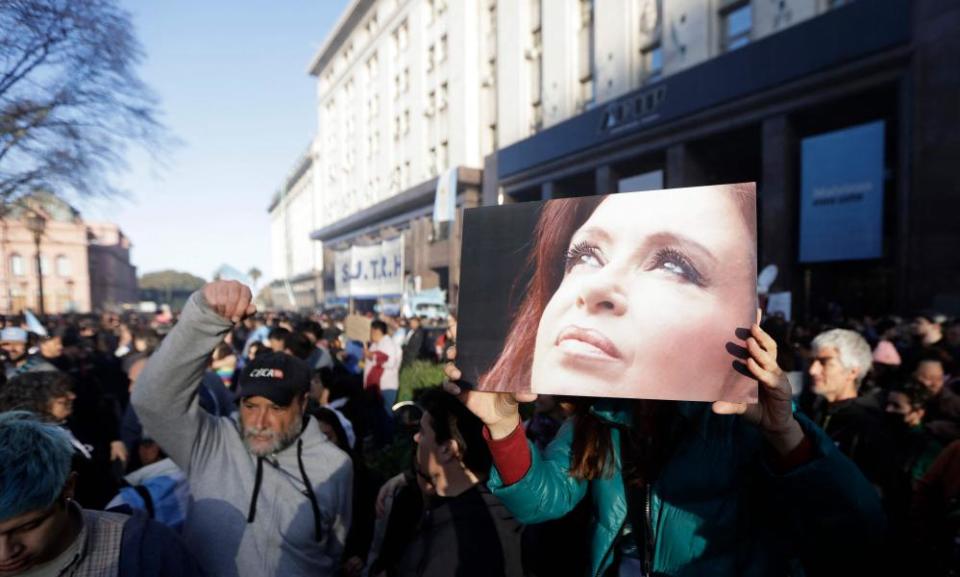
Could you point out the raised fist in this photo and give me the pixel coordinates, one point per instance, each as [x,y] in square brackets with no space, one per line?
[229,299]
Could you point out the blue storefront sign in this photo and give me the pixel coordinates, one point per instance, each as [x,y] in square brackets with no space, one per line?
[841,204]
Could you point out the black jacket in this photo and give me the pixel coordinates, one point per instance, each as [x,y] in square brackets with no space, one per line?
[858,428]
[150,549]
[469,535]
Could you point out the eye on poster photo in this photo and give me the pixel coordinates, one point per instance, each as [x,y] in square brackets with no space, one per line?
[638,294]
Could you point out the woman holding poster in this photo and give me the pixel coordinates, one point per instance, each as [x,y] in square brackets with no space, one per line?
[653,297]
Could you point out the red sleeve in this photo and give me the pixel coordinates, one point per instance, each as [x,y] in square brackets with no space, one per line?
[380,357]
[511,454]
[801,454]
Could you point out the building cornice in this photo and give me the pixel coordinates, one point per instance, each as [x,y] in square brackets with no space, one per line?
[299,170]
[420,196]
[349,19]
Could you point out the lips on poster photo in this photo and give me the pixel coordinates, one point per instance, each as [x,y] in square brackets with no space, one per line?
[643,295]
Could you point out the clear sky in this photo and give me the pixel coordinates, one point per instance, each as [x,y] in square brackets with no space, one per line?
[232,82]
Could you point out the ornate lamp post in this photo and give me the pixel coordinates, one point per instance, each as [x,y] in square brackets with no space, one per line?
[36,223]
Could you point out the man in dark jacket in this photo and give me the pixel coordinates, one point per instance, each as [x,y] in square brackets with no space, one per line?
[42,529]
[413,342]
[942,410]
[463,529]
[856,423]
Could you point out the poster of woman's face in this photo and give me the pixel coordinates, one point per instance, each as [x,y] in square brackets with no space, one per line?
[641,294]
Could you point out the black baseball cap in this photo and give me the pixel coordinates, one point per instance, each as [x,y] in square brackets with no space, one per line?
[276,376]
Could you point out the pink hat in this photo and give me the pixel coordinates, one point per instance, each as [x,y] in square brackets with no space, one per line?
[886,354]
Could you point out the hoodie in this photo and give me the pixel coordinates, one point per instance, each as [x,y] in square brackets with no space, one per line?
[247,517]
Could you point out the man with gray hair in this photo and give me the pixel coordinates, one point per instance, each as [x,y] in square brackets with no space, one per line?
[841,360]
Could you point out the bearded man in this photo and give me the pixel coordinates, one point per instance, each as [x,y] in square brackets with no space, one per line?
[270,495]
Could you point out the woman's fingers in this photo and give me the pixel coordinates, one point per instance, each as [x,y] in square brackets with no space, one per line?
[452,372]
[763,375]
[765,340]
[762,355]
[757,353]
[728,408]
[451,388]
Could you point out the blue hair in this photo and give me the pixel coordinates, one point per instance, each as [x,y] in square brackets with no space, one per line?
[34,463]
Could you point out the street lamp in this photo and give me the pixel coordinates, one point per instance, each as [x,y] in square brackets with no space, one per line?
[36,223]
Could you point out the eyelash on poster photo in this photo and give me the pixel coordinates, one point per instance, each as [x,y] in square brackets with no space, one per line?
[667,258]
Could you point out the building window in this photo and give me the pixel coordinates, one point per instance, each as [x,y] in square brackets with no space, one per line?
[653,63]
[535,61]
[373,24]
[63,266]
[405,174]
[44,266]
[401,36]
[16,265]
[443,156]
[442,96]
[431,56]
[585,56]
[401,82]
[435,9]
[432,161]
[405,121]
[373,66]
[489,80]
[428,108]
[737,23]
[395,179]
[442,49]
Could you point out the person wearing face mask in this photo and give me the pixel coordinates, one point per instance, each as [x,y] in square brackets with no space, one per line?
[912,448]
[942,410]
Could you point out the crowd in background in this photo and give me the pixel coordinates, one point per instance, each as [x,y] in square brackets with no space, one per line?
[893,408]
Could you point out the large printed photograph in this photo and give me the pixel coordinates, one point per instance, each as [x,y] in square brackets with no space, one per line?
[639,294]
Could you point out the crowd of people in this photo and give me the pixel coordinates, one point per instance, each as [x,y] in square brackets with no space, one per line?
[237,442]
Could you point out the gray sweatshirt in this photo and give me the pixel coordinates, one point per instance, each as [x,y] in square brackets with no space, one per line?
[281,540]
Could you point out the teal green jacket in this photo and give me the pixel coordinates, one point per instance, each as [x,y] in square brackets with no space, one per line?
[716,509]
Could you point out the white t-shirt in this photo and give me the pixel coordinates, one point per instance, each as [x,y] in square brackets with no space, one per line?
[391,368]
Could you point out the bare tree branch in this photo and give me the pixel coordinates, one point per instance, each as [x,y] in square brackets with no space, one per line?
[71,101]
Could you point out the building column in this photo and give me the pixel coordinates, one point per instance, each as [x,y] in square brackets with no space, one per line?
[933,196]
[683,167]
[490,184]
[606,180]
[547,190]
[778,203]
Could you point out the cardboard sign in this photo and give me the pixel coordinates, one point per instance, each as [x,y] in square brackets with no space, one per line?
[640,295]
[357,328]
